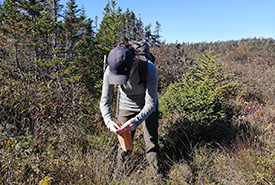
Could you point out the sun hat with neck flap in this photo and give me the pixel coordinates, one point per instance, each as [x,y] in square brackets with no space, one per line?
[120,61]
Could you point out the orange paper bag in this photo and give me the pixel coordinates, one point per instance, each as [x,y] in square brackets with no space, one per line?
[125,140]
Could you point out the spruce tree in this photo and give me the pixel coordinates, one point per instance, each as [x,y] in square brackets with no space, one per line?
[85,46]
[110,27]
[131,26]
[38,44]
[148,34]
[12,29]
[88,62]
[139,32]
[53,7]
[156,36]
[37,22]
[71,29]
[128,24]
[198,97]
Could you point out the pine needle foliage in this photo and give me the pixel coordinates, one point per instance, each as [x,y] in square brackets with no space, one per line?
[198,97]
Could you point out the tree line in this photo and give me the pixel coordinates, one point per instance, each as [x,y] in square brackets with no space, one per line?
[47,40]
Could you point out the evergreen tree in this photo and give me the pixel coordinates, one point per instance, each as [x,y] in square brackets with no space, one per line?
[38,44]
[110,27]
[128,24]
[152,38]
[148,34]
[84,66]
[71,28]
[85,45]
[3,42]
[53,8]
[29,26]
[37,29]
[131,26]
[116,23]
[198,97]
[156,36]
[12,29]
[139,32]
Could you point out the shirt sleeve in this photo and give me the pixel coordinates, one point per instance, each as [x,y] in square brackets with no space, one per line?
[106,97]
[151,96]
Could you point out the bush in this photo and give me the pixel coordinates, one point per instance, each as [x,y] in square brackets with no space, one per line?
[43,125]
[199,96]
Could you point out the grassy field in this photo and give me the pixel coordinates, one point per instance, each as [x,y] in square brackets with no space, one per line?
[53,133]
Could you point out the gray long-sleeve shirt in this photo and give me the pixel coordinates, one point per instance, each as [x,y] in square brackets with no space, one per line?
[134,96]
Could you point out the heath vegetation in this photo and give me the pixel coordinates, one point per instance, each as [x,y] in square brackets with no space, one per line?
[217,102]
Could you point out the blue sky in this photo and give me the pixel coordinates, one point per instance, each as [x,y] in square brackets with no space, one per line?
[197,21]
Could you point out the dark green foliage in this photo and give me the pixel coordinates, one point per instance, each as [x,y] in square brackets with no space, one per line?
[71,28]
[110,27]
[115,23]
[199,96]
[83,61]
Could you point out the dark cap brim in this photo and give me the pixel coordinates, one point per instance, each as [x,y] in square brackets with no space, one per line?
[118,79]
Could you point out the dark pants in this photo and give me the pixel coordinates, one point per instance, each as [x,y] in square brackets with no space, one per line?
[150,134]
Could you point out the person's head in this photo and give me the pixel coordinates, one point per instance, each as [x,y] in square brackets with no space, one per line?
[120,61]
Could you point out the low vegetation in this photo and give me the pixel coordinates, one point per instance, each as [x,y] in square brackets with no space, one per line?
[53,131]
[217,102]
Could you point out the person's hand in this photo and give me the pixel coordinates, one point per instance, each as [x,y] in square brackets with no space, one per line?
[114,127]
[129,126]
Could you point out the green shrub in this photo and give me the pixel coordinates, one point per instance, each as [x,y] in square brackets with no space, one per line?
[199,96]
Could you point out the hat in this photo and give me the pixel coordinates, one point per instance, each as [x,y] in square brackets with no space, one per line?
[120,61]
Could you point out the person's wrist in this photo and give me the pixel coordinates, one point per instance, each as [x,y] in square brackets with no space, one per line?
[134,123]
[110,125]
